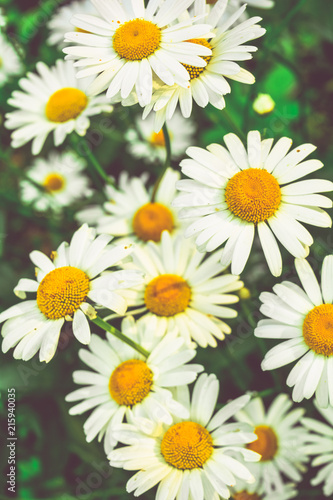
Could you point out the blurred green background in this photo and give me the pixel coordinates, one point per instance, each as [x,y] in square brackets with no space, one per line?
[294,64]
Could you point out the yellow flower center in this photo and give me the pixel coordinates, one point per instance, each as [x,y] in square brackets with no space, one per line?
[187,445]
[151,220]
[244,495]
[167,295]
[157,139]
[54,182]
[253,195]
[130,382]
[65,104]
[62,291]
[136,39]
[1,62]
[266,444]
[318,329]
[195,71]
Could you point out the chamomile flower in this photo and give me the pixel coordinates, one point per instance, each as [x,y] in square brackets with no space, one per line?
[233,192]
[278,442]
[193,457]
[124,384]
[60,22]
[51,101]
[320,444]
[304,321]
[132,43]
[130,211]
[10,63]
[149,145]
[64,285]
[61,180]
[183,290]
[208,83]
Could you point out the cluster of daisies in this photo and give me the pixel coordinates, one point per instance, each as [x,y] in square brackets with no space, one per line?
[154,258]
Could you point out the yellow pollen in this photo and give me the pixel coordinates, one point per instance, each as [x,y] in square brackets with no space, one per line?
[65,104]
[137,39]
[130,382]
[187,445]
[318,329]
[62,291]
[54,182]
[195,71]
[151,220]
[80,30]
[1,62]
[244,495]
[266,444]
[167,295]
[253,195]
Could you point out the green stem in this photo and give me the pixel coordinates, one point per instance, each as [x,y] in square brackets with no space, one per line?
[287,18]
[111,329]
[233,124]
[83,149]
[167,160]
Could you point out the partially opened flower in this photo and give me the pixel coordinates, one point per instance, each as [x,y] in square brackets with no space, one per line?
[130,210]
[303,321]
[61,180]
[320,445]
[183,289]
[233,192]
[208,84]
[66,286]
[279,439]
[127,385]
[193,457]
[149,145]
[133,43]
[51,101]
[60,22]
[10,63]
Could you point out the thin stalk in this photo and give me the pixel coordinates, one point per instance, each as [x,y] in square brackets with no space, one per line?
[83,149]
[233,124]
[114,331]
[167,159]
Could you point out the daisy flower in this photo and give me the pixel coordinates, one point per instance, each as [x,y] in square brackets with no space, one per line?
[133,43]
[320,444]
[62,179]
[234,192]
[53,100]
[278,442]
[193,457]
[208,83]
[64,284]
[145,143]
[183,290]
[60,23]
[130,211]
[123,383]
[304,320]
[10,63]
